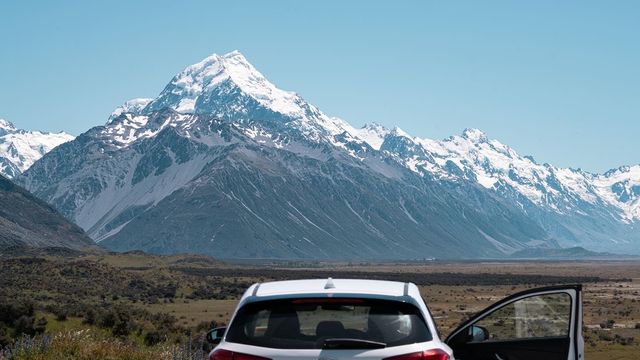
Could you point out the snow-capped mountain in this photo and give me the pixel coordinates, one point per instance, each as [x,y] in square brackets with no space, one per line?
[19,149]
[493,165]
[574,206]
[223,162]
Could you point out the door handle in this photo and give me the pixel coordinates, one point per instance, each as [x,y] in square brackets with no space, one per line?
[500,357]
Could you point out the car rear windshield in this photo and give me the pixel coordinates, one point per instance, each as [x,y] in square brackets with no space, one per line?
[317,323]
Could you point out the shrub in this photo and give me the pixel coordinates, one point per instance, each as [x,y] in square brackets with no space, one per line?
[605,337]
[607,324]
[10,312]
[40,325]
[623,340]
[205,326]
[89,317]
[152,338]
[122,327]
[61,315]
[5,339]
[24,325]
[107,320]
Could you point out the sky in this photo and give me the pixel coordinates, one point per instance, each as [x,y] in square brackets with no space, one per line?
[556,80]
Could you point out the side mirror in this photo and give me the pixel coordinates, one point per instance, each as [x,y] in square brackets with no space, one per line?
[214,336]
[478,333]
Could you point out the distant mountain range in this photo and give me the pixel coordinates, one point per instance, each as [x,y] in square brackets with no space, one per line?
[224,163]
[19,149]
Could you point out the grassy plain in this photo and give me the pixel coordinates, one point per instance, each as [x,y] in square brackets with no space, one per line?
[194,291]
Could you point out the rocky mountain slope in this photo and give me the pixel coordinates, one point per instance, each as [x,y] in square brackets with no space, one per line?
[224,163]
[28,221]
[578,208]
[19,149]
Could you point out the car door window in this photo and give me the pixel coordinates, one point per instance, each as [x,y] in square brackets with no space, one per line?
[539,316]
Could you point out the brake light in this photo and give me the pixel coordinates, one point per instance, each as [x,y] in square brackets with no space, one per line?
[327,301]
[222,354]
[434,354]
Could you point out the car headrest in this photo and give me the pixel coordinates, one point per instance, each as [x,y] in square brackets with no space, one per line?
[330,329]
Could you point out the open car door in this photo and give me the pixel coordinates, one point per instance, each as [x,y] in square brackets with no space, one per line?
[537,324]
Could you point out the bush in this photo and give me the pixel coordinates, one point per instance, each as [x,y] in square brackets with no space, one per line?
[152,338]
[605,336]
[61,315]
[89,317]
[624,340]
[5,339]
[10,312]
[607,324]
[24,325]
[205,326]
[40,325]
[107,320]
[122,327]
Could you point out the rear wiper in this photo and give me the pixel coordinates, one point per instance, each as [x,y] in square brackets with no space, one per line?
[351,344]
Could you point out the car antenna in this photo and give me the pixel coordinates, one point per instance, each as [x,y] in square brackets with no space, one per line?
[329,284]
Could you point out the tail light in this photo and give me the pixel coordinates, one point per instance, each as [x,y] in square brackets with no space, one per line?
[222,354]
[434,354]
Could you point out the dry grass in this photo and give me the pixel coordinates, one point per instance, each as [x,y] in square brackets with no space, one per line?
[190,313]
[90,345]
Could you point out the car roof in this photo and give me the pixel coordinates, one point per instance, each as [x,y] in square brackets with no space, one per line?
[332,286]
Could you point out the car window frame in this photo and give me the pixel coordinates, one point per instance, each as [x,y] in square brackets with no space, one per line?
[400,300]
[575,332]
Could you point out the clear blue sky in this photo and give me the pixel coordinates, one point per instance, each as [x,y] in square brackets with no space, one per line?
[559,80]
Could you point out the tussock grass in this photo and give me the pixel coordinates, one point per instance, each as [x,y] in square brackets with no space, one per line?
[90,345]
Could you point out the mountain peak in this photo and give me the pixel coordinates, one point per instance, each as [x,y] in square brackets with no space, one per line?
[235,54]
[6,125]
[216,73]
[475,135]
[134,106]
[375,127]
[624,169]
[396,131]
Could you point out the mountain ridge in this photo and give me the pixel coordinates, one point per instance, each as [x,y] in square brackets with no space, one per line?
[19,148]
[28,221]
[223,111]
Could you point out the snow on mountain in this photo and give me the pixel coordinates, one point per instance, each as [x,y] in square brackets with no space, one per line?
[472,156]
[133,106]
[229,87]
[373,134]
[19,149]
[621,188]
[189,86]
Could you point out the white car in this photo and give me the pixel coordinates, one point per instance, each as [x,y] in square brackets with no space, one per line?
[370,319]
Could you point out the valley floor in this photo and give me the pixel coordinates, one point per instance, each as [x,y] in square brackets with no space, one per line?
[160,307]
